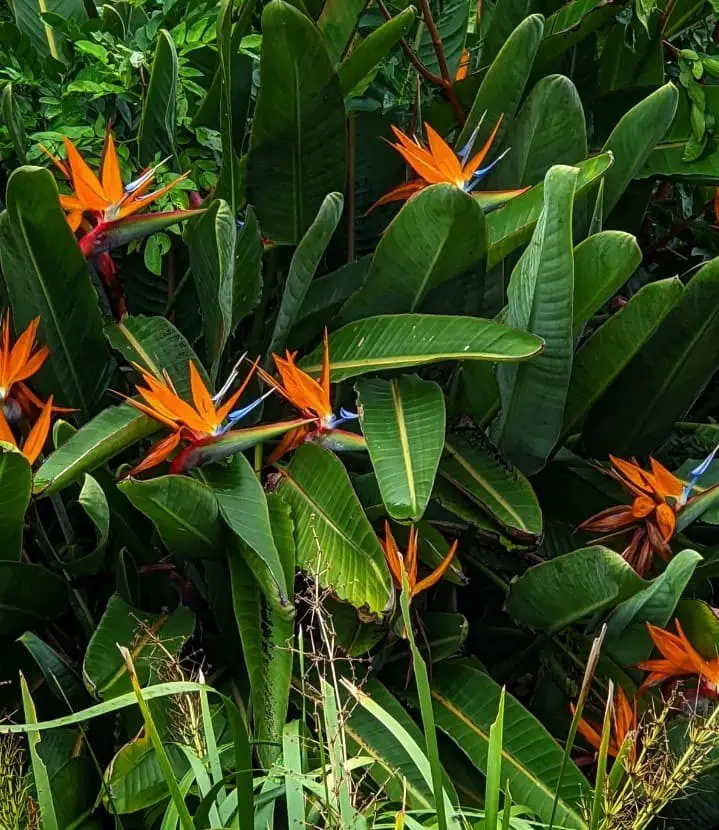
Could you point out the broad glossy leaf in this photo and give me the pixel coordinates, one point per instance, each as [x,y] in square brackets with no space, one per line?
[93,501]
[52,280]
[403,423]
[627,640]
[393,769]
[364,57]
[634,138]
[303,266]
[156,345]
[243,505]
[44,39]
[30,595]
[396,341]
[247,288]
[540,300]
[450,18]
[15,491]
[603,262]
[266,630]
[476,467]
[13,120]
[157,127]
[556,593]
[438,235]
[511,226]
[144,634]
[183,510]
[62,680]
[569,25]
[549,129]
[665,377]
[335,541]
[508,14]
[608,351]
[465,700]
[503,85]
[97,442]
[297,147]
[338,22]
[212,260]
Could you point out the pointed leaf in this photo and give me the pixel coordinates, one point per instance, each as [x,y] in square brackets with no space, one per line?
[297,147]
[157,127]
[451,19]
[395,341]
[45,40]
[540,300]
[15,491]
[335,541]
[53,281]
[30,595]
[438,235]
[403,423]
[13,120]
[183,510]
[247,288]
[338,22]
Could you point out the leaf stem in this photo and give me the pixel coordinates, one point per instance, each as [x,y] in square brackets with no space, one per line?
[447,82]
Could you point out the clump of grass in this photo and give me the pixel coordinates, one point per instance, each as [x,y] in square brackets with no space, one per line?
[17,808]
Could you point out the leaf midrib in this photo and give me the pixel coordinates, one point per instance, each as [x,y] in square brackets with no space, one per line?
[404,445]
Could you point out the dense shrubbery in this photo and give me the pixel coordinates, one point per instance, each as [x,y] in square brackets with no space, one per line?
[358,365]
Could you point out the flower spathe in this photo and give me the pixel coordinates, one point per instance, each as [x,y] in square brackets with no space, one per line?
[33,444]
[679,659]
[651,516]
[436,163]
[201,421]
[624,722]
[406,563]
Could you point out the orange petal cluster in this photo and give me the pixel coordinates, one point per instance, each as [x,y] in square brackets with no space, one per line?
[20,361]
[679,659]
[35,441]
[105,197]
[650,518]
[406,563]
[624,722]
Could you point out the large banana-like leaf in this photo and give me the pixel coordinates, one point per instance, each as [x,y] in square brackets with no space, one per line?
[157,127]
[338,22]
[438,235]
[297,147]
[540,300]
[396,341]
[556,593]
[30,595]
[184,511]
[335,541]
[450,18]
[466,700]
[403,423]
[46,275]
[46,40]
[97,442]
[664,378]
[609,350]
[15,491]
[476,467]
[303,266]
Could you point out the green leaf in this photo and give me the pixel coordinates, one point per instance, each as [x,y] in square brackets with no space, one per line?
[157,126]
[243,506]
[602,264]
[297,146]
[139,226]
[61,678]
[13,120]
[266,632]
[156,345]
[700,624]
[450,18]
[503,85]
[303,267]
[403,423]
[476,467]
[438,235]
[511,225]
[568,26]
[627,640]
[508,14]
[52,280]
[364,57]
[609,350]
[665,377]
[30,595]
[396,341]
[183,510]
[549,129]
[93,501]
[540,296]
[247,288]
[634,138]
[335,541]
[337,23]
[97,442]
[41,779]
[43,38]
[15,491]
[147,636]
[556,593]
[212,260]
[466,700]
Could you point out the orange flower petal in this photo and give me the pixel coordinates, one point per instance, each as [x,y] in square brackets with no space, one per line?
[202,399]
[444,158]
[110,170]
[399,193]
[158,453]
[140,201]
[642,506]
[633,474]
[38,434]
[325,374]
[84,181]
[665,483]
[289,441]
[471,166]
[438,572]
[666,521]
[6,434]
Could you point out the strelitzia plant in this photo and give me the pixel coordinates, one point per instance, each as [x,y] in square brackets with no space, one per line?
[437,163]
[679,659]
[32,445]
[405,564]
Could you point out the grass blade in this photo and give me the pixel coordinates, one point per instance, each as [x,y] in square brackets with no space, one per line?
[293,766]
[494,769]
[39,770]
[598,801]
